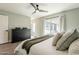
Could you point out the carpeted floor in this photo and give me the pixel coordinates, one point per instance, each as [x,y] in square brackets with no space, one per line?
[8,48]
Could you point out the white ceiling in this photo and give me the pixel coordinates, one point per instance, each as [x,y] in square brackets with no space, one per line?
[26,9]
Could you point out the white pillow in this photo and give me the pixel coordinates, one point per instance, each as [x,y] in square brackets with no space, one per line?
[74,47]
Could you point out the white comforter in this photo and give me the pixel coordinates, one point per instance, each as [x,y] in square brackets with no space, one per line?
[42,48]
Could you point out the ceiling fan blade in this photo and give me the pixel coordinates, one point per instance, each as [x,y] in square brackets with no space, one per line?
[42,11]
[34,12]
[33,5]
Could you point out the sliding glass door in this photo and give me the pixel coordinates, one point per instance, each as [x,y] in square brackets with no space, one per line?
[51,26]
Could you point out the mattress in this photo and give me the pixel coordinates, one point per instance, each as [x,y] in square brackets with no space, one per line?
[42,48]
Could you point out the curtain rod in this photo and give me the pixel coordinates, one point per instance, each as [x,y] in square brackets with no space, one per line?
[52,17]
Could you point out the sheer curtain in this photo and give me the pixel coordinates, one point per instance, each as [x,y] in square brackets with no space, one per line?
[62,23]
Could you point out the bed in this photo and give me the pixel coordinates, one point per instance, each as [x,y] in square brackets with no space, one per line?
[67,43]
[42,48]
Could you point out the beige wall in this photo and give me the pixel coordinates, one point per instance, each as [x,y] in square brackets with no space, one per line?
[72,20]
[16,20]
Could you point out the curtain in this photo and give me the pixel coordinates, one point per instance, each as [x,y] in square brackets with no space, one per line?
[62,23]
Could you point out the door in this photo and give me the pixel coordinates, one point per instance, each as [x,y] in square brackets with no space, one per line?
[3,29]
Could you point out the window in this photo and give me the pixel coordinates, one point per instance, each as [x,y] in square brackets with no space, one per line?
[52,26]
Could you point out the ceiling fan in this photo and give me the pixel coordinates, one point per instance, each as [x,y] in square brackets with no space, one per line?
[36,7]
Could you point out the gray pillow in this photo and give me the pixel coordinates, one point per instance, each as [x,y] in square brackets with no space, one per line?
[56,38]
[65,41]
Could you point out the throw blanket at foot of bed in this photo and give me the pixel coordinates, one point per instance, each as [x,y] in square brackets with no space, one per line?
[27,44]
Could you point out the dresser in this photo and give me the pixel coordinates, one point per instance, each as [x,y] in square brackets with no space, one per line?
[20,34]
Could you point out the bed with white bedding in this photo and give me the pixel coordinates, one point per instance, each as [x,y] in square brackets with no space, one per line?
[42,48]
[59,44]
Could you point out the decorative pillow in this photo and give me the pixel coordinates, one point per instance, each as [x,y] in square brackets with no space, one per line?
[74,47]
[57,37]
[65,41]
